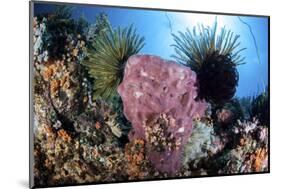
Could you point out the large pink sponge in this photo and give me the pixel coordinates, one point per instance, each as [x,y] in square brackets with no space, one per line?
[159,100]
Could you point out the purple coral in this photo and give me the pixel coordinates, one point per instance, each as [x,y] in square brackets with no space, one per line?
[159,100]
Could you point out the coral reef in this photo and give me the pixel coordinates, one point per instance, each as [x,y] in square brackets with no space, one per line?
[73,135]
[102,113]
[65,37]
[214,58]
[90,154]
[250,154]
[159,100]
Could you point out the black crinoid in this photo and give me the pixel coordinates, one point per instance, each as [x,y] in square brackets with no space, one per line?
[218,78]
[214,57]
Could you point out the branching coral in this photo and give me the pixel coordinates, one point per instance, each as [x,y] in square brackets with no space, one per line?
[213,57]
[106,65]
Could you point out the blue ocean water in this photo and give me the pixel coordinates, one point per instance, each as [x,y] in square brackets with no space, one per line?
[157,26]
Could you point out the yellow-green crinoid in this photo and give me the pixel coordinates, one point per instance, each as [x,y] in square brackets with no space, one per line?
[106,64]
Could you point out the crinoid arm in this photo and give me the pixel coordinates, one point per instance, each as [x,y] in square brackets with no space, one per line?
[192,47]
[106,64]
[214,57]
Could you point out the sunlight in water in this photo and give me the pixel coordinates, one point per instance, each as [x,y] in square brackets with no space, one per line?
[193,19]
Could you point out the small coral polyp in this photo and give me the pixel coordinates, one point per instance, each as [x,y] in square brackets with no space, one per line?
[159,100]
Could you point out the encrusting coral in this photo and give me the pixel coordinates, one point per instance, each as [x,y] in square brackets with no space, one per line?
[159,100]
[71,158]
[138,166]
[67,94]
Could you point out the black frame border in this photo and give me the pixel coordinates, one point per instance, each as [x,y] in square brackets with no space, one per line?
[31,124]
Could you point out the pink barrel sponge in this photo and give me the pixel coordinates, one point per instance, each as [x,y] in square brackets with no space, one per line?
[159,100]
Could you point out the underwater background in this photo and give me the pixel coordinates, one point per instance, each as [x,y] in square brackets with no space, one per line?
[130,94]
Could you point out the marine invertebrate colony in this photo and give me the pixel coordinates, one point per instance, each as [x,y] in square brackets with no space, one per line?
[259,108]
[106,65]
[62,40]
[159,100]
[214,58]
[234,111]
[199,144]
[251,152]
